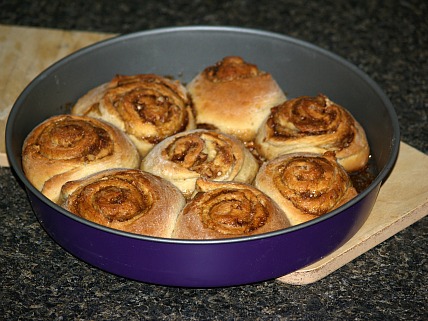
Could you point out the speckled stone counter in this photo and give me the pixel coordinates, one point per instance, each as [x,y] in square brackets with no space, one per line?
[387,40]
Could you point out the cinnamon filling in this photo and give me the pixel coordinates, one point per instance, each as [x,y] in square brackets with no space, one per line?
[311,116]
[314,185]
[70,139]
[113,199]
[150,107]
[231,68]
[207,154]
[232,211]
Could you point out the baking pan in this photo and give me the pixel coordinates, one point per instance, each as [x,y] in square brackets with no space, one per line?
[299,67]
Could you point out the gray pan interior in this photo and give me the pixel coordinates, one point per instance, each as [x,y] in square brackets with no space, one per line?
[300,69]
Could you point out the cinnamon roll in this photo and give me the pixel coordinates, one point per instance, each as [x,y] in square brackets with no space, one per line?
[234,96]
[184,157]
[226,210]
[69,147]
[305,185]
[316,125]
[125,199]
[147,107]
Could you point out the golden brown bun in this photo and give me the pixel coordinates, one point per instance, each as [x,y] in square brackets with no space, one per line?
[234,97]
[314,125]
[305,185]
[129,200]
[148,108]
[228,209]
[68,147]
[184,157]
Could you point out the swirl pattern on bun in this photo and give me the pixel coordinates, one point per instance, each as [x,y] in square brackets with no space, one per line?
[228,209]
[147,107]
[305,185]
[187,156]
[69,147]
[125,199]
[314,125]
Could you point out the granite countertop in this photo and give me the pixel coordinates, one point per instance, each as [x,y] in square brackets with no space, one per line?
[388,40]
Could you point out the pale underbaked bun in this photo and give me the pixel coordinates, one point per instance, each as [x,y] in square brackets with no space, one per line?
[125,199]
[185,157]
[69,147]
[315,125]
[305,185]
[226,210]
[147,107]
[234,97]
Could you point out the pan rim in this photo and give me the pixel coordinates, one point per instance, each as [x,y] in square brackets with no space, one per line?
[381,176]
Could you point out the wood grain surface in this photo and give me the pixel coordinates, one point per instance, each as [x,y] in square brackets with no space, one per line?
[25,52]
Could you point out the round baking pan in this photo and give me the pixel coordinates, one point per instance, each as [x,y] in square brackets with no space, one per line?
[300,68]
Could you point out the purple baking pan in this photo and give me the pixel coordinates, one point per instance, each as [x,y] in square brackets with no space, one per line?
[299,67]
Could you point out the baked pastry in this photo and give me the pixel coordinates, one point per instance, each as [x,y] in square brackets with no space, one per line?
[186,156]
[68,147]
[147,107]
[305,185]
[315,125]
[226,210]
[125,199]
[234,96]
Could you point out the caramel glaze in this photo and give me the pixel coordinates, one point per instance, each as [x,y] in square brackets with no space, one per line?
[363,178]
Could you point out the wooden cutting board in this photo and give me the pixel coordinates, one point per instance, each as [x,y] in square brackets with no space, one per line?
[402,200]
[25,52]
